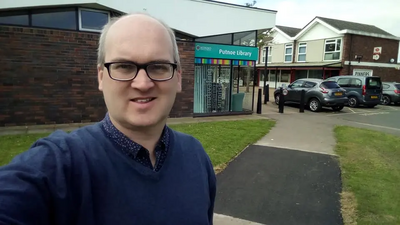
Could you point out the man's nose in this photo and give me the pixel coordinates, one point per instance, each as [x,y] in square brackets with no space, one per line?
[142,81]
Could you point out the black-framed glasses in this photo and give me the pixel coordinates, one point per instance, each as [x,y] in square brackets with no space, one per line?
[127,71]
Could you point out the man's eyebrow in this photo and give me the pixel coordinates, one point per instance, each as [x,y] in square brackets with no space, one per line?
[161,61]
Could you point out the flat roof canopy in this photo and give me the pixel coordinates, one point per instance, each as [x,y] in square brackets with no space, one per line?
[196,17]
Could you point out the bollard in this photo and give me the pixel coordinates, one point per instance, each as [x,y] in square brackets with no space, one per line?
[281,100]
[259,101]
[302,99]
[266,93]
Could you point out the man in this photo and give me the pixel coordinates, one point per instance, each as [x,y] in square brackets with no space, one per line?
[130,168]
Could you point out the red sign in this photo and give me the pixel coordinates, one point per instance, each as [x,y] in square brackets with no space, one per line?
[377,50]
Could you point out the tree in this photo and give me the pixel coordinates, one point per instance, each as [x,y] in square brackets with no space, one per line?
[251,4]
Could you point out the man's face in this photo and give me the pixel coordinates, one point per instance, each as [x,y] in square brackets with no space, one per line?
[138,39]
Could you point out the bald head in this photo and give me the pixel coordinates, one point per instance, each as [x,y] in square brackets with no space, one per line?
[139,28]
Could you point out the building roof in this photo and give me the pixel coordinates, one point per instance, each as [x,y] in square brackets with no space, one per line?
[290,31]
[191,18]
[346,25]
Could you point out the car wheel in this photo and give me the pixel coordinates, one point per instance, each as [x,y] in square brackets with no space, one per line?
[314,105]
[385,100]
[337,108]
[277,99]
[353,102]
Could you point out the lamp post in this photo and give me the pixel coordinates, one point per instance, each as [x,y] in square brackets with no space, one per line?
[266,90]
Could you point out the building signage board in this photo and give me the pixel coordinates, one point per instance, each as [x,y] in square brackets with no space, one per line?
[362,72]
[204,50]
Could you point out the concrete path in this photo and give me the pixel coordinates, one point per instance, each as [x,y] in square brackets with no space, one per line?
[301,131]
[220,219]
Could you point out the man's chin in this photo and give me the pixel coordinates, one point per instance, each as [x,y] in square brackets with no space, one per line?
[144,121]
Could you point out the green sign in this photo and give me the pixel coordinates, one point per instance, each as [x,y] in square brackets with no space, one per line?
[203,50]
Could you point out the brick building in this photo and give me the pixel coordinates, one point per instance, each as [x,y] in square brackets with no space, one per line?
[50,76]
[359,56]
[328,47]
[48,56]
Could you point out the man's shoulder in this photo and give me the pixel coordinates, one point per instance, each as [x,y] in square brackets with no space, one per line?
[64,140]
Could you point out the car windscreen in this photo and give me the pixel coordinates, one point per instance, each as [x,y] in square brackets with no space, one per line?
[329,85]
[373,83]
[397,86]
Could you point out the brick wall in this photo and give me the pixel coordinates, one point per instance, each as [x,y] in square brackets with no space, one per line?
[49,76]
[184,101]
[364,45]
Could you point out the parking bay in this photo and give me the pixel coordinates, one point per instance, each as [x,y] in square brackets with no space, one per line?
[385,117]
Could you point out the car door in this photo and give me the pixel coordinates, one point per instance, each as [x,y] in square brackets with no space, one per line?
[293,90]
[306,87]
[373,86]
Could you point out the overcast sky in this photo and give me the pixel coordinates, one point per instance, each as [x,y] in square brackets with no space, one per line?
[384,14]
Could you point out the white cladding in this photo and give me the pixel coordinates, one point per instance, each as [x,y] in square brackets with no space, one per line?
[196,17]
[317,32]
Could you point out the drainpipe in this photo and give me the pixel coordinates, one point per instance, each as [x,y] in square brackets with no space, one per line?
[294,55]
[351,44]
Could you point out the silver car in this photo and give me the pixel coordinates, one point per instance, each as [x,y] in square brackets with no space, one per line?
[390,93]
[318,93]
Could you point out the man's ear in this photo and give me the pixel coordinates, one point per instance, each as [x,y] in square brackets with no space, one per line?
[100,75]
[179,84]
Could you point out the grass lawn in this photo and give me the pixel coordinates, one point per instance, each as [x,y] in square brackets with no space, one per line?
[370,163]
[222,140]
[12,145]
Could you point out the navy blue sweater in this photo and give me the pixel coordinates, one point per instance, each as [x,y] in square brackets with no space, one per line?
[81,178]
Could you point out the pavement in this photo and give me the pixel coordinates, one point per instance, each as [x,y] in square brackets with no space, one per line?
[301,132]
[269,185]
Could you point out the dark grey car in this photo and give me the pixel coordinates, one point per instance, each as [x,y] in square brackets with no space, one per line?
[361,90]
[390,93]
[318,94]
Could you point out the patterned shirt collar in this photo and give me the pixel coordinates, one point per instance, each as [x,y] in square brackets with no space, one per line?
[130,147]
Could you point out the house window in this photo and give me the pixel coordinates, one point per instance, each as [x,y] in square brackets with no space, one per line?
[302,52]
[288,52]
[263,56]
[59,18]
[332,49]
[92,20]
[269,54]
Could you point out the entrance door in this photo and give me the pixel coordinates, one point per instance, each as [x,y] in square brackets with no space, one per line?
[242,86]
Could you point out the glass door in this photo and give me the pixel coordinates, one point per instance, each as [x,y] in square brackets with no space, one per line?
[242,86]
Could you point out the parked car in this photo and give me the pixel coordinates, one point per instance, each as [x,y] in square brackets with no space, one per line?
[390,93]
[360,90]
[318,94]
